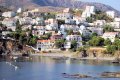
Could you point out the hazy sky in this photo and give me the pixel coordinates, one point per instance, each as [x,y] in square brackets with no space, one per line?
[114,3]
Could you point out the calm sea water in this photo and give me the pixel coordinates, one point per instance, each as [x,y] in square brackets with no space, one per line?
[43,68]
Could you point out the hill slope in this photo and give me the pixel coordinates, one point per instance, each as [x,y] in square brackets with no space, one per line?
[53,3]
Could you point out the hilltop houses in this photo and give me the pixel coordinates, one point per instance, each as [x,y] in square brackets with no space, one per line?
[49,27]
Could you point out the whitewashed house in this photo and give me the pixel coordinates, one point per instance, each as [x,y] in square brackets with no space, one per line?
[38,30]
[71,38]
[45,45]
[117,19]
[26,21]
[39,21]
[51,24]
[64,16]
[89,10]
[75,28]
[114,24]
[9,14]
[84,31]
[99,23]
[111,14]
[97,30]
[62,31]
[110,35]
[78,19]
[19,10]
[10,23]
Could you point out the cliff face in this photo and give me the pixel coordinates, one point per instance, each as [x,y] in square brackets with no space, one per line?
[53,3]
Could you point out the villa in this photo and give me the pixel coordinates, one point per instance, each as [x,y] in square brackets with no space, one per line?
[45,44]
[110,35]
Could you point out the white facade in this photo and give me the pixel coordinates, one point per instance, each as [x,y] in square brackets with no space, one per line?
[9,14]
[84,31]
[9,22]
[99,23]
[117,19]
[110,14]
[26,21]
[45,44]
[39,30]
[19,10]
[64,16]
[97,30]
[71,38]
[114,24]
[110,35]
[88,11]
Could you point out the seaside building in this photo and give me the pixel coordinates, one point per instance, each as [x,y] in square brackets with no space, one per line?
[71,38]
[45,45]
[110,35]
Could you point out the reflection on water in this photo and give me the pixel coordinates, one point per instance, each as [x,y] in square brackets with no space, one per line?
[44,68]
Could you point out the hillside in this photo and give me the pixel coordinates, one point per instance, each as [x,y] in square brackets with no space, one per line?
[54,3]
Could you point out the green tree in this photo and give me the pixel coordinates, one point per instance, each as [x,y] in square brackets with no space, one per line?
[74,45]
[96,41]
[18,27]
[59,43]
[93,34]
[108,28]
[89,19]
[80,49]
[107,42]
[111,49]
[69,32]
[117,43]
[32,41]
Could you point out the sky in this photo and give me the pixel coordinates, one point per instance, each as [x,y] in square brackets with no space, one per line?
[113,3]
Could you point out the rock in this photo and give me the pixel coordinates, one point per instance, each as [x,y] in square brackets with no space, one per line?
[65,75]
[110,74]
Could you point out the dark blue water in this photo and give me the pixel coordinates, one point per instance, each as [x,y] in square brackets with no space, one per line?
[49,69]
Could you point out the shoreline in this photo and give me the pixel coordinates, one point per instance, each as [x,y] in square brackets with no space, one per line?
[76,58]
[67,55]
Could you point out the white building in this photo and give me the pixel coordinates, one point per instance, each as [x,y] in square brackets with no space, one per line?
[9,14]
[78,19]
[110,14]
[111,35]
[26,21]
[99,23]
[38,30]
[64,16]
[71,38]
[10,23]
[39,21]
[114,24]
[62,31]
[97,30]
[45,45]
[75,28]
[19,10]
[117,19]
[51,24]
[84,31]
[88,11]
